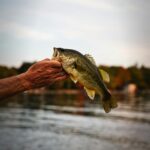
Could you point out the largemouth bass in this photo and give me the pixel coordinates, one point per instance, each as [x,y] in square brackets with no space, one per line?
[82,69]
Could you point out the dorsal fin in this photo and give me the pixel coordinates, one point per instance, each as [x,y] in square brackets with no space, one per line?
[89,57]
[104,75]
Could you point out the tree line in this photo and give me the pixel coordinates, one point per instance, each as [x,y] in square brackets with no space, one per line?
[119,76]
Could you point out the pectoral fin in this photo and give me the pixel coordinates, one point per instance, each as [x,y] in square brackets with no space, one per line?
[73,79]
[90,93]
[104,75]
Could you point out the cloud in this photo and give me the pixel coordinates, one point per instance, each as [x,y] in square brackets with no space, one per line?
[113,31]
[96,4]
[109,5]
[22,31]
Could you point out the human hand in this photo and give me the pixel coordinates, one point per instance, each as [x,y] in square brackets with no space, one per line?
[43,73]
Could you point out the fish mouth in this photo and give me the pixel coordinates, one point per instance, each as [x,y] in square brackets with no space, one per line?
[56,52]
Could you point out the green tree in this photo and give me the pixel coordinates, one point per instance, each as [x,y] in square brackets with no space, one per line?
[24,67]
[146,76]
[6,72]
[137,77]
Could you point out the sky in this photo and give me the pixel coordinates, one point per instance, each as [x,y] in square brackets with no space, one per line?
[114,32]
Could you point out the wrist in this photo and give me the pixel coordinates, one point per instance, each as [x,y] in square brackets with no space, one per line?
[24,81]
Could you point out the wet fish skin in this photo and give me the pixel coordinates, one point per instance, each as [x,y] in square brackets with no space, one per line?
[81,69]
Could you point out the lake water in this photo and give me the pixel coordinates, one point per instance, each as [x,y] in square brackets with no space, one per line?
[73,122]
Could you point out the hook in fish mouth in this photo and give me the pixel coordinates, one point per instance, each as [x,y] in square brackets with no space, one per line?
[56,52]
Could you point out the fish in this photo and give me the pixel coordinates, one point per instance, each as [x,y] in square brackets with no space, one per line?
[82,69]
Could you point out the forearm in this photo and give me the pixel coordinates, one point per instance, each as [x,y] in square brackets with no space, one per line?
[13,85]
[41,74]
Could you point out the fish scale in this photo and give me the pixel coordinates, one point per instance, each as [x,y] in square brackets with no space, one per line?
[83,69]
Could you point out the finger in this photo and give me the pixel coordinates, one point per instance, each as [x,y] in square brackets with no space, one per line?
[55,63]
[51,64]
[61,78]
[55,70]
[60,74]
[47,59]
[51,81]
[57,59]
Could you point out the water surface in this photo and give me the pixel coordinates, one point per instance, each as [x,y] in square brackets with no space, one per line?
[60,122]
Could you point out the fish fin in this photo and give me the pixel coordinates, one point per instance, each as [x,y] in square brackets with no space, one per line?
[90,93]
[106,106]
[104,75]
[109,104]
[73,79]
[89,57]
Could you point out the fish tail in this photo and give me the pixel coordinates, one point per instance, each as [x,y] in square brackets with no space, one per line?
[108,103]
